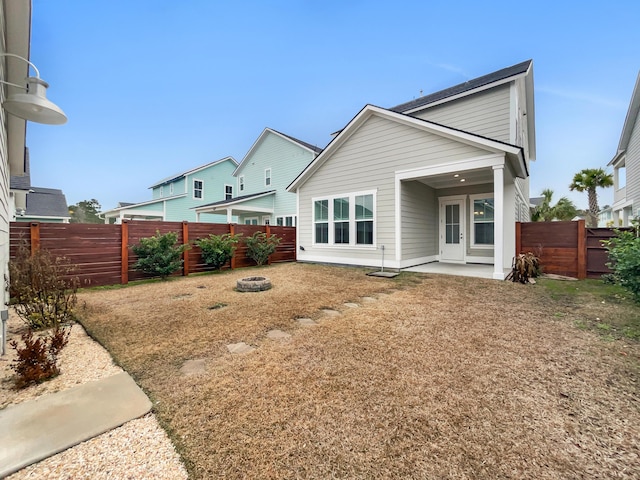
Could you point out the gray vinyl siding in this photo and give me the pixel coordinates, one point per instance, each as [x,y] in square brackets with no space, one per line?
[419,220]
[5,213]
[632,162]
[485,113]
[366,161]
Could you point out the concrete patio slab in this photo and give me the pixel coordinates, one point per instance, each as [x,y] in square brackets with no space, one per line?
[36,429]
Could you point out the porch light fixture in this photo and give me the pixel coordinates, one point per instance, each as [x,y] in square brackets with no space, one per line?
[32,105]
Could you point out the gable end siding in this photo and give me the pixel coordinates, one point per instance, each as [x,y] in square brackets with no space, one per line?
[485,113]
[632,162]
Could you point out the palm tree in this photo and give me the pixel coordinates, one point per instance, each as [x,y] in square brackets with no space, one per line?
[589,179]
[564,209]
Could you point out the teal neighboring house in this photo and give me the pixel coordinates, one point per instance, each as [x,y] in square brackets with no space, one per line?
[261,179]
[175,198]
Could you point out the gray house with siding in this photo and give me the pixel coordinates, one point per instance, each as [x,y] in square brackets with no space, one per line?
[442,178]
[626,166]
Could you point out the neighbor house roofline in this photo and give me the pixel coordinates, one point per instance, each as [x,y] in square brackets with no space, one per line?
[178,176]
[307,146]
[142,204]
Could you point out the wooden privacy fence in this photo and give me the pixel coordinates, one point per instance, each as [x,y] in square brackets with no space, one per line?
[566,248]
[102,254]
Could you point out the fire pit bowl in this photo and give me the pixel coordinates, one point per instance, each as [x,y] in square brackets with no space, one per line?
[253,284]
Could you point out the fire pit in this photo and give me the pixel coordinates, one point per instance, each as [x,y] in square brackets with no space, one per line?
[253,284]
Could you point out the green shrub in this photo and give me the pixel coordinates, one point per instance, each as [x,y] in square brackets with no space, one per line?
[37,360]
[159,255]
[217,250]
[624,256]
[259,247]
[42,287]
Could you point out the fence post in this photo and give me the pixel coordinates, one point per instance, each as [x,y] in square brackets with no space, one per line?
[268,232]
[124,252]
[35,237]
[582,250]
[232,231]
[185,254]
[518,238]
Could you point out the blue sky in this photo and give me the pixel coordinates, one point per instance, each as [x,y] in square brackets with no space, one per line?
[156,87]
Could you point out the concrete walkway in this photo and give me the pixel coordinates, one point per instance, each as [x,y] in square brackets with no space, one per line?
[36,429]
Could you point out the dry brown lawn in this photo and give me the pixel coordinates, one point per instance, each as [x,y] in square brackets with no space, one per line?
[440,377]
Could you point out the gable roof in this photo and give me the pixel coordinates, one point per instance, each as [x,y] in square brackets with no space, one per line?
[492,79]
[307,146]
[46,202]
[178,176]
[629,121]
[426,125]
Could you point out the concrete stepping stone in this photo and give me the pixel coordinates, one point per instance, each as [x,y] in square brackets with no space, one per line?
[193,367]
[278,335]
[351,305]
[306,321]
[369,299]
[239,348]
[329,312]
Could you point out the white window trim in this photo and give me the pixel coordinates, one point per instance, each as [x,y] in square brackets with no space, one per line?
[250,219]
[352,221]
[225,191]
[241,183]
[161,191]
[193,183]
[268,176]
[473,244]
[171,189]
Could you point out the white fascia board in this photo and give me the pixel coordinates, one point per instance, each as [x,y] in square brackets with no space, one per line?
[620,155]
[487,161]
[531,112]
[149,202]
[129,211]
[630,119]
[231,203]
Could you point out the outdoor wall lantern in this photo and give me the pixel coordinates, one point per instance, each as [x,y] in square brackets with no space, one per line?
[32,105]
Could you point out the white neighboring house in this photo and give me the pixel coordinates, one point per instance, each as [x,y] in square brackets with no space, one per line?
[442,178]
[626,166]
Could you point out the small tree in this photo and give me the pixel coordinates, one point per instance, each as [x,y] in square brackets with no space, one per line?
[588,180]
[43,288]
[217,250]
[159,255]
[624,256]
[564,209]
[260,246]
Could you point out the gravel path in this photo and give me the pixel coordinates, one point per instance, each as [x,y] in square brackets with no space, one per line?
[139,449]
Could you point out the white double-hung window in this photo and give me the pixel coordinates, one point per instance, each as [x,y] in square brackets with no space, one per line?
[344,220]
[483,221]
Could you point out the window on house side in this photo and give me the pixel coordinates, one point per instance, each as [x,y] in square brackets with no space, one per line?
[483,221]
[267,177]
[228,192]
[198,188]
[171,189]
[161,190]
[241,183]
[321,220]
[341,220]
[364,219]
[280,221]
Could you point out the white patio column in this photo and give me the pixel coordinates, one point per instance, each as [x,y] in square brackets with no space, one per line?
[229,215]
[498,223]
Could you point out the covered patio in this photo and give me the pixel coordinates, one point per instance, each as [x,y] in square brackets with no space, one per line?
[462,270]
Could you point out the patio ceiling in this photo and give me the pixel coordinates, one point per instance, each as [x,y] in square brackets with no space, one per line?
[458,179]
